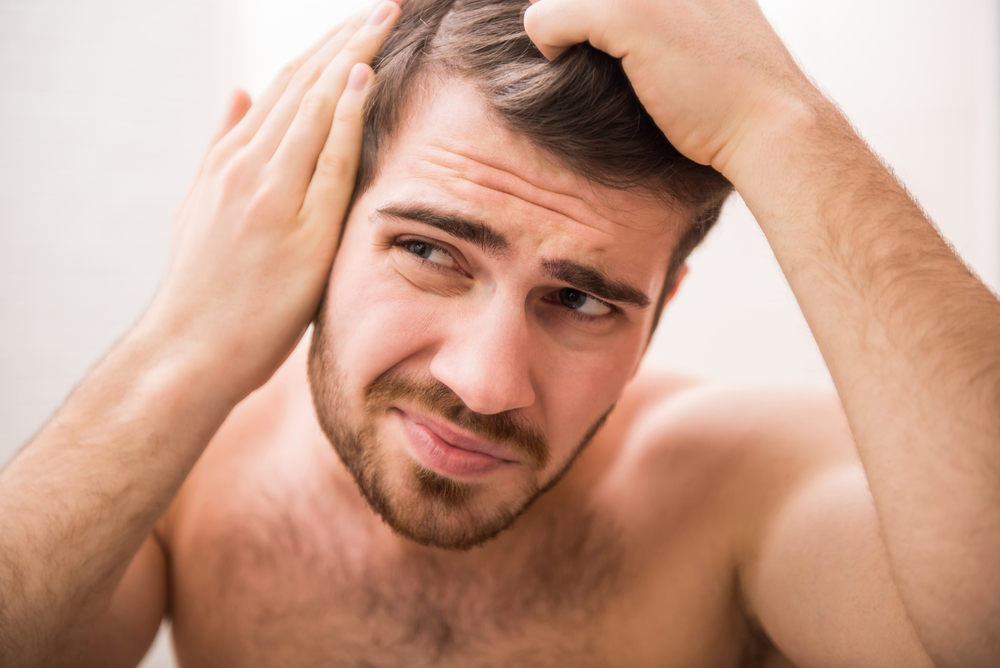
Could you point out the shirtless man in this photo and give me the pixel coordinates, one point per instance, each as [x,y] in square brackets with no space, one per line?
[490,302]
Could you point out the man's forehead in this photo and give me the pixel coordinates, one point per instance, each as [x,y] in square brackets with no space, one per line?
[453,146]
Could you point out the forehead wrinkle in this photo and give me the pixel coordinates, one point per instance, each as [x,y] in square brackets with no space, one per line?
[475,201]
[451,175]
[495,176]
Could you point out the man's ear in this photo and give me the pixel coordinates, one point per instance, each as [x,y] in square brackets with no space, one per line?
[681,273]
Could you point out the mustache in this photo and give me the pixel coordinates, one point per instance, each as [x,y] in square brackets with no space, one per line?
[435,397]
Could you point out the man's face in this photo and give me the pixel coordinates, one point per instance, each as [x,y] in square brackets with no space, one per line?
[484,313]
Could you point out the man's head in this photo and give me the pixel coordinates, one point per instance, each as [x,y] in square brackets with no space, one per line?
[580,108]
[516,228]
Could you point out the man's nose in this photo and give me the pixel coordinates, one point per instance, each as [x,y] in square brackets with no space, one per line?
[486,360]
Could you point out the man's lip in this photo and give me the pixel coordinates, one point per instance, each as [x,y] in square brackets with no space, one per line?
[458,439]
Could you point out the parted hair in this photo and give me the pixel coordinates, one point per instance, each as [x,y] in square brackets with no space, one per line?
[580,108]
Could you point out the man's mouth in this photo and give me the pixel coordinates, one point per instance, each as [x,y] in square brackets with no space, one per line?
[450,451]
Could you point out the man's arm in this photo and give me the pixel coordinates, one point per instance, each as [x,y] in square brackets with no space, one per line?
[912,340]
[255,238]
[911,337]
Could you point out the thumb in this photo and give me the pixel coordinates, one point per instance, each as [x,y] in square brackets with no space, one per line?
[556,25]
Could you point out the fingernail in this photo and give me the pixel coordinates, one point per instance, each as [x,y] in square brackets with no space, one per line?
[358,77]
[380,14]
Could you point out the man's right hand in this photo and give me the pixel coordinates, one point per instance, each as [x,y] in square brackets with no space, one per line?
[713,74]
[253,245]
[257,232]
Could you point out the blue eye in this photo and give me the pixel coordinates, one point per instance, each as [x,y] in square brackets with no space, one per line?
[583,303]
[427,251]
[419,248]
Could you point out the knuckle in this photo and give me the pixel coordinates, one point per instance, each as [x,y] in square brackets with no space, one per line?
[315,105]
[228,145]
[236,175]
[260,205]
[348,113]
[306,74]
[215,159]
[333,165]
[363,41]
[531,19]
[344,34]
[265,207]
[290,68]
[348,55]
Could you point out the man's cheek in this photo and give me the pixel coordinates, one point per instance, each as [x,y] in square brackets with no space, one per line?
[585,387]
[379,322]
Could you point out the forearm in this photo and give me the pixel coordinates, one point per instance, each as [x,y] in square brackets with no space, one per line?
[912,340]
[78,501]
[253,245]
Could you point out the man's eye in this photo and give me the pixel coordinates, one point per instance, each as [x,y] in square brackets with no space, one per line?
[428,252]
[583,303]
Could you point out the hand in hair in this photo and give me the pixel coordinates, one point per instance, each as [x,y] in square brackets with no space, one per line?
[711,73]
[256,234]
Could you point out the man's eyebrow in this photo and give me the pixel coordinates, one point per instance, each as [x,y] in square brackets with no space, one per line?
[489,240]
[595,282]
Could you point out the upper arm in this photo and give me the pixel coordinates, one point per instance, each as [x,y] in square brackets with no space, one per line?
[131,623]
[820,582]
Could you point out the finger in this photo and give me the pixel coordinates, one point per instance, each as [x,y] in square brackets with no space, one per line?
[294,133]
[556,25]
[237,107]
[334,39]
[332,183]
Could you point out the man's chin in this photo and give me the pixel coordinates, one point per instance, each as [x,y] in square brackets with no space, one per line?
[436,511]
[443,537]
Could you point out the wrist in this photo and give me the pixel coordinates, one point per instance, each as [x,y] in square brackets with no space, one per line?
[221,352]
[784,126]
[175,363]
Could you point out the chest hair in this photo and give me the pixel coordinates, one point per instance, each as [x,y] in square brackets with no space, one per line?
[323,579]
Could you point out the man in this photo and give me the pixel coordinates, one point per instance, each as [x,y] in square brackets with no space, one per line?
[500,490]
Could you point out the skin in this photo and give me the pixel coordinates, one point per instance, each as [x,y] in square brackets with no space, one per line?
[908,332]
[489,324]
[701,527]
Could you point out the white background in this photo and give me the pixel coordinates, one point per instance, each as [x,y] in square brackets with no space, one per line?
[105,107]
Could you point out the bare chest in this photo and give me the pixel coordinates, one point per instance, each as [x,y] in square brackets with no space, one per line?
[272,589]
[269,584]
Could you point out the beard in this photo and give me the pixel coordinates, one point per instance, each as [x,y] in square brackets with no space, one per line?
[415,502]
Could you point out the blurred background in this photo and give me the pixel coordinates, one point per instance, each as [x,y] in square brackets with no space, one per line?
[106,107]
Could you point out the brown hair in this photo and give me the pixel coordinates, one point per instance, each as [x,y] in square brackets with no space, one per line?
[580,108]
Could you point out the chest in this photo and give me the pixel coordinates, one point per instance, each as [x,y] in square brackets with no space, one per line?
[298,576]
[279,587]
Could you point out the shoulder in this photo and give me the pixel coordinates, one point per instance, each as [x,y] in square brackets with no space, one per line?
[768,481]
[721,461]
[751,440]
